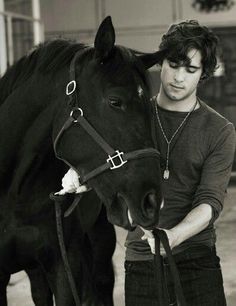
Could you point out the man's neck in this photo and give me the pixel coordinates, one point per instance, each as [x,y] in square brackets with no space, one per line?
[184,105]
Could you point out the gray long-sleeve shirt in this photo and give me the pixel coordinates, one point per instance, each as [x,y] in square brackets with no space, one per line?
[200,161]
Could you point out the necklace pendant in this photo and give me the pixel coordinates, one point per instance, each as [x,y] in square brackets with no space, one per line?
[166,174]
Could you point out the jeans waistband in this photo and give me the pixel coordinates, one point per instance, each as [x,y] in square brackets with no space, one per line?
[193,252]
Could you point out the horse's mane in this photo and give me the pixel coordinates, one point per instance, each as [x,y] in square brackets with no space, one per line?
[47,57]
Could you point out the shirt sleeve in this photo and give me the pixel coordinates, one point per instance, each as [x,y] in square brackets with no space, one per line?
[216,171]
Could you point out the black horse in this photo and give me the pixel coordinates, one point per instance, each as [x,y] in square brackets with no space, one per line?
[108,91]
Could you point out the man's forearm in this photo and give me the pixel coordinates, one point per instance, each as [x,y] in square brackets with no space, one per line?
[195,221]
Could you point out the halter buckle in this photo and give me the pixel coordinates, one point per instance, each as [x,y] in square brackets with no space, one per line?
[118,156]
[70,87]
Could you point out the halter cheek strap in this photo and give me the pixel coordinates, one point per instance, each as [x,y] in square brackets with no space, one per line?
[115,158]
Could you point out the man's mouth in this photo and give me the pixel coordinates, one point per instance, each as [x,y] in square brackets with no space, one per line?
[176,86]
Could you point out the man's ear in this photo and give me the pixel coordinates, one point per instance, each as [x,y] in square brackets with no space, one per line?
[105,39]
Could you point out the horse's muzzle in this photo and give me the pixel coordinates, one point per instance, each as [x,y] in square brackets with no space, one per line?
[130,213]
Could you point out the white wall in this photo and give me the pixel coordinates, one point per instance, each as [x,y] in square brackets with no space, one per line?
[139,23]
[68,15]
[3,53]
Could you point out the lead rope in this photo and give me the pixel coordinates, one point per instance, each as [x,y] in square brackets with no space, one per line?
[158,266]
[58,201]
[161,236]
[159,274]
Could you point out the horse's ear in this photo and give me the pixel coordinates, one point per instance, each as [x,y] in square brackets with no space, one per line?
[105,39]
[151,59]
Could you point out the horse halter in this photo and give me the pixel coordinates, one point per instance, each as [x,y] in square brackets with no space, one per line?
[116,158]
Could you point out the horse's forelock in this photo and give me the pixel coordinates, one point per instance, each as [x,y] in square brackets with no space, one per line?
[130,56]
[124,66]
[136,67]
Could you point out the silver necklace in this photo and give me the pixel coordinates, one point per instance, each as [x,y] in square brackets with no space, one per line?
[168,141]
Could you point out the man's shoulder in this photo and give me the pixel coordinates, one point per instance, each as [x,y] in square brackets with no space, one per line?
[214,118]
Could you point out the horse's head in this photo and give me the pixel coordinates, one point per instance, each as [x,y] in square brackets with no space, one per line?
[109,87]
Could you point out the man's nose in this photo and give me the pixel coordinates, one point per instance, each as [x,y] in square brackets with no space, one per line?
[179,75]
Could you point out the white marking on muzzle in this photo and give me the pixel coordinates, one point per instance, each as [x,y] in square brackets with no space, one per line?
[162,204]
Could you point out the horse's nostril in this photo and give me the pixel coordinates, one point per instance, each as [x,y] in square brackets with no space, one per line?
[149,205]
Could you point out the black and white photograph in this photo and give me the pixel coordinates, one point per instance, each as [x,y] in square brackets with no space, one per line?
[117,152]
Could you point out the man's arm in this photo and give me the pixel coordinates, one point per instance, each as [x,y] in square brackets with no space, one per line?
[195,221]
[209,197]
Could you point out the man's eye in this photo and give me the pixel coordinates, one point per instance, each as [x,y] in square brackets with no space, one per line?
[191,70]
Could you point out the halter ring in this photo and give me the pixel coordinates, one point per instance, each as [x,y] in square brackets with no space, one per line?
[69,90]
[74,110]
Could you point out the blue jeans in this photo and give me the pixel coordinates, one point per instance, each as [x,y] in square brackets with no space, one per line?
[200,275]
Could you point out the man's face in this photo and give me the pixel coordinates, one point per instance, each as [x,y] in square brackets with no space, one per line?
[180,81]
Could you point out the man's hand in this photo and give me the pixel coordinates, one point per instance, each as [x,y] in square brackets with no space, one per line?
[195,221]
[172,237]
[148,235]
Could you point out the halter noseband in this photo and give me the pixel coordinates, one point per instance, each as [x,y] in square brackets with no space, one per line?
[116,158]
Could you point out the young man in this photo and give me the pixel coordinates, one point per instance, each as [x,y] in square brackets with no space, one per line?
[197,150]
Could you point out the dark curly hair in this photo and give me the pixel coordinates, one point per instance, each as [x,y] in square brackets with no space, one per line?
[182,37]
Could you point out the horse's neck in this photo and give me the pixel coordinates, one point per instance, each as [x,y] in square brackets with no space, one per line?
[25,110]
[35,153]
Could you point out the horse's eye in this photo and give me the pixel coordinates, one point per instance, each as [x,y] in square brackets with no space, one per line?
[116,103]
